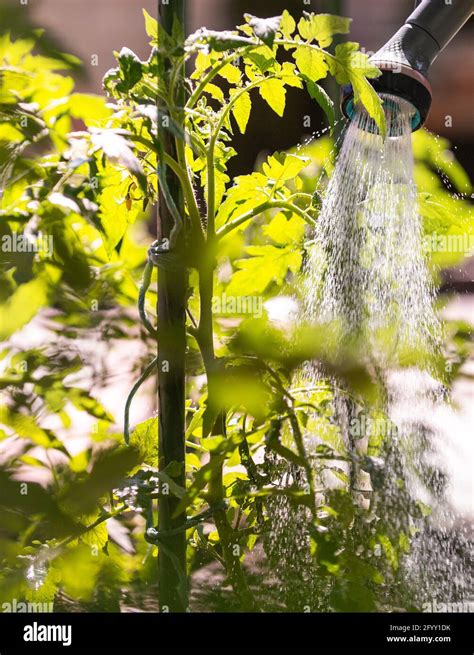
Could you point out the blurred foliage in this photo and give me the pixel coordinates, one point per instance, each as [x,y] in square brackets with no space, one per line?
[82,170]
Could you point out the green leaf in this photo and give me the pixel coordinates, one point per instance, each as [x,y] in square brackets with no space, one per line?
[231,73]
[247,192]
[115,217]
[274,93]
[352,66]
[267,265]
[261,61]
[283,231]
[435,151]
[264,28]
[131,69]
[389,550]
[215,91]
[324,101]
[151,25]
[219,41]
[287,24]
[88,107]
[322,27]
[97,536]
[365,93]
[145,438]
[241,110]
[82,400]
[25,427]
[290,76]
[350,61]
[311,63]
[117,148]
[281,167]
[26,302]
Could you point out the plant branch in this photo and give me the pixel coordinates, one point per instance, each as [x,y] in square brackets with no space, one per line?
[269,204]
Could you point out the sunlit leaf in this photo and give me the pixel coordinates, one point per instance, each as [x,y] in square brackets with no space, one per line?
[241,110]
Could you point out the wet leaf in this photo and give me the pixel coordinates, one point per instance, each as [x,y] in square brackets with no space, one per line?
[264,28]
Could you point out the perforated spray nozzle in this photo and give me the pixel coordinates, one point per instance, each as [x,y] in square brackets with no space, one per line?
[405,60]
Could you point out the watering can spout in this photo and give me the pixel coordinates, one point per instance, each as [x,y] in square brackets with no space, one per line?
[405,60]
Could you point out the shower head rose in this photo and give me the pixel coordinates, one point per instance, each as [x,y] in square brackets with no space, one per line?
[405,60]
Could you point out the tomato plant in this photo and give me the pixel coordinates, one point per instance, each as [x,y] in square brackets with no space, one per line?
[83,520]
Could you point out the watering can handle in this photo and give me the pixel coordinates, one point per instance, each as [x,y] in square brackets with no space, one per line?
[441,20]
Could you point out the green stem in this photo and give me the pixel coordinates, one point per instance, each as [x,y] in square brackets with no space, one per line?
[198,91]
[305,44]
[216,492]
[187,186]
[149,369]
[211,184]
[269,204]
[298,437]
[142,299]
[232,102]
[211,192]
[95,524]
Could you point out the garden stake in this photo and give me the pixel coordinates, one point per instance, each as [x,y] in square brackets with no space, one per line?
[171,312]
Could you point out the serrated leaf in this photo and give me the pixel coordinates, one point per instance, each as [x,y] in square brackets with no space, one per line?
[246,193]
[264,28]
[263,61]
[352,66]
[281,167]
[311,63]
[215,91]
[117,148]
[324,101]
[145,438]
[219,41]
[274,93]
[283,231]
[266,265]
[322,27]
[287,24]
[131,69]
[241,110]
[289,75]
[97,536]
[202,63]
[231,73]
[151,25]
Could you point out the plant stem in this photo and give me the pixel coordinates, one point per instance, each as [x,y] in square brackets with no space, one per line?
[214,72]
[217,425]
[269,204]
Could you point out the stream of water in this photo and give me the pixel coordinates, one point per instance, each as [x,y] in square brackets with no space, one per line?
[366,269]
[367,275]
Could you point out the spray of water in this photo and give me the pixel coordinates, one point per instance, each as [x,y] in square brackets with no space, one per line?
[366,269]
[367,275]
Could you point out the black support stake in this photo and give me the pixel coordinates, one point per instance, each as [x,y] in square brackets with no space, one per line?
[173,592]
